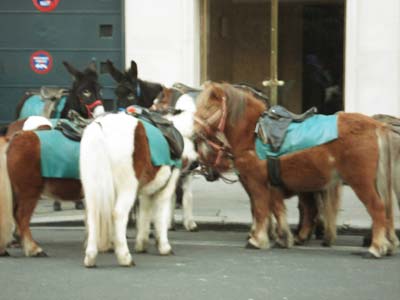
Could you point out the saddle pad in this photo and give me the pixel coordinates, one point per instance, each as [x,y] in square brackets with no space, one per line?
[34,106]
[314,131]
[59,155]
[159,148]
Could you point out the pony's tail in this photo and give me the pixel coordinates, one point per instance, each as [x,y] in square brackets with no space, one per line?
[6,199]
[98,186]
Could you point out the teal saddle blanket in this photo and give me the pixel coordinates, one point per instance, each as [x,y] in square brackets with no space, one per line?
[34,106]
[314,131]
[60,155]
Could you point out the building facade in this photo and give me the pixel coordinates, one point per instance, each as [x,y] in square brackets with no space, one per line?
[194,40]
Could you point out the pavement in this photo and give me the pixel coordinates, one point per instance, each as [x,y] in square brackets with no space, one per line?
[222,206]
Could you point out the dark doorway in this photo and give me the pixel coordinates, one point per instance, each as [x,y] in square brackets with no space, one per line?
[323,35]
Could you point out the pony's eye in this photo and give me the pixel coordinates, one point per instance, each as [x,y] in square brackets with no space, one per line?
[131,97]
[86,93]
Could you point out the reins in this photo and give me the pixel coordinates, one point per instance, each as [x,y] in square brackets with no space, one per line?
[222,145]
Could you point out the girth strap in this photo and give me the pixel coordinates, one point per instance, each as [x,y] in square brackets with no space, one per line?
[274,171]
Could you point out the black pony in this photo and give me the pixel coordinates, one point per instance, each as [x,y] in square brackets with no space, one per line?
[132,90]
[83,97]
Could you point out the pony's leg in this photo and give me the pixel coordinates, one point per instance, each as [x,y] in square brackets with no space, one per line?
[376,209]
[91,246]
[124,202]
[187,203]
[25,205]
[162,209]
[285,237]
[143,221]
[330,209]
[308,212]
[260,197]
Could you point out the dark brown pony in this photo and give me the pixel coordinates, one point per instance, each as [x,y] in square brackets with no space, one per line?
[361,156]
[21,181]
[132,90]
[83,97]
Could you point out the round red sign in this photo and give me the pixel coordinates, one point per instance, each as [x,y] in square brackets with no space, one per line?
[45,5]
[41,62]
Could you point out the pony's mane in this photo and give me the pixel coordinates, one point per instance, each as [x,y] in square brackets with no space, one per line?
[236,99]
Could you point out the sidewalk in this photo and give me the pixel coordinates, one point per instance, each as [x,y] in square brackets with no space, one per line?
[221,206]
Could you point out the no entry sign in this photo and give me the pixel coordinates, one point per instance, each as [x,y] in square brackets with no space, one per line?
[41,62]
[45,5]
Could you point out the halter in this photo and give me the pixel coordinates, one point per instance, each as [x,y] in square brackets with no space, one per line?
[90,107]
[222,145]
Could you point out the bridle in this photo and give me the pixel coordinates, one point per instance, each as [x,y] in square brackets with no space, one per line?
[90,107]
[221,145]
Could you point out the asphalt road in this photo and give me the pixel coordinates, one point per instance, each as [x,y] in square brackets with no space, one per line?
[206,265]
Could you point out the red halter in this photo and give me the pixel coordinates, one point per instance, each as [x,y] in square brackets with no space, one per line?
[222,146]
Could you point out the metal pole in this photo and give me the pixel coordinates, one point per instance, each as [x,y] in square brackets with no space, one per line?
[273,83]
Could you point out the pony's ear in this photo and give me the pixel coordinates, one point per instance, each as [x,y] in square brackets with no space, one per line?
[92,66]
[217,92]
[72,70]
[133,72]
[114,72]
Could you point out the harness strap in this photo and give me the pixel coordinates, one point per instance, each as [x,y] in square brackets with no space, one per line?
[274,171]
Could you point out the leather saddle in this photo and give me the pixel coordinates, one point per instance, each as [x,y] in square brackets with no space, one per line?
[273,124]
[51,97]
[73,127]
[171,134]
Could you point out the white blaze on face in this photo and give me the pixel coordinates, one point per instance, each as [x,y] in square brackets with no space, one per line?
[35,122]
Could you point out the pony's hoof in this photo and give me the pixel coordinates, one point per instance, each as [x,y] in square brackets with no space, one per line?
[326,244]
[40,254]
[90,261]
[191,226]
[369,255]
[4,254]
[298,241]
[15,244]
[79,205]
[251,246]
[125,260]
[57,206]
[166,250]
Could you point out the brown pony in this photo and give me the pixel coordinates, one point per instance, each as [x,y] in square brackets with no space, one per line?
[361,156]
[22,185]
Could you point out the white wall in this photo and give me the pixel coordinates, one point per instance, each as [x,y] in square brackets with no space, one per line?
[372,71]
[163,38]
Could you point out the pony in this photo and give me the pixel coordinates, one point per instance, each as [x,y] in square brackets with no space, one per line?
[179,107]
[130,89]
[116,169]
[316,208]
[82,97]
[361,156]
[178,104]
[22,183]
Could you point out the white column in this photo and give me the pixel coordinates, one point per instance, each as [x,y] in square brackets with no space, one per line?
[372,67]
[163,38]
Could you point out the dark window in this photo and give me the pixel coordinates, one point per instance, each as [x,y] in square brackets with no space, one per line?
[106,30]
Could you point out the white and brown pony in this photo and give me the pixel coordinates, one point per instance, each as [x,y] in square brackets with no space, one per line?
[21,181]
[361,156]
[116,168]
[179,108]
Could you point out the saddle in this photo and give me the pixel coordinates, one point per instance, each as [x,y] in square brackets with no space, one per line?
[273,124]
[185,89]
[171,134]
[51,97]
[72,127]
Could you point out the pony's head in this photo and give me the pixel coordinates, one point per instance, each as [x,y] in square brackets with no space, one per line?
[85,94]
[131,90]
[218,106]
